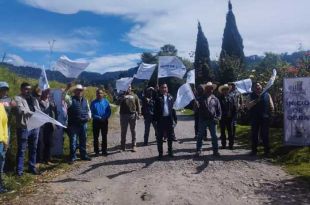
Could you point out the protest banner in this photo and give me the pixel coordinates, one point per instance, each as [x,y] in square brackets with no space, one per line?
[296,103]
[43,82]
[145,71]
[170,66]
[244,86]
[190,77]
[123,84]
[184,96]
[70,68]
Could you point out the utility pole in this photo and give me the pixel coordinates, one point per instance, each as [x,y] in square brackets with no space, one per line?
[51,45]
[3,57]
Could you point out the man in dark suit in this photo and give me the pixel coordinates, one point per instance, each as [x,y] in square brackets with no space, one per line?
[166,118]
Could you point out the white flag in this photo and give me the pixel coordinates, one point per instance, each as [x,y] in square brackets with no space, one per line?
[244,86]
[190,77]
[145,71]
[123,84]
[43,82]
[271,81]
[70,68]
[170,66]
[39,118]
[184,97]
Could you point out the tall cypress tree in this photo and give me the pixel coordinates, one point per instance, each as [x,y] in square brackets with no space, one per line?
[231,57]
[202,64]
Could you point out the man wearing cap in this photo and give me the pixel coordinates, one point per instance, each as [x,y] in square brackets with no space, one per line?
[260,107]
[129,112]
[26,106]
[165,117]
[78,116]
[210,114]
[228,108]
[237,96]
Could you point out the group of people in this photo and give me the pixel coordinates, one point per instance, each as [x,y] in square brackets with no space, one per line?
[157,110]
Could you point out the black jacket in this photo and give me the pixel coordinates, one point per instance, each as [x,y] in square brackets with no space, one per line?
[159,108]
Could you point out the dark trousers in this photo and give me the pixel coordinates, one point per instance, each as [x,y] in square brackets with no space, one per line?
[227,124]
[45,143]
[164,126]
[148,120]
[260,126]
[197,127]
[100,126]
[24,138]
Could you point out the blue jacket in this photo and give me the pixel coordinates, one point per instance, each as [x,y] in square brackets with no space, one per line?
[100,109]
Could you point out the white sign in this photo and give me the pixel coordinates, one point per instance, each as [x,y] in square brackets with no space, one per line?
[244,86]
[39,118]
[70,68]
[123,84]
[296,102]
[145,71]
[184,96]
[43,82]
[170,66]
[271,81]
[190,77]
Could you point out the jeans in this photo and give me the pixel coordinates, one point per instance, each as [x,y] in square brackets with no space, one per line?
[164,126]
[203,124]
[77,131]
[126,119]
[2,157]
[100,126]
[227,123]
[25,137]
[260,125]
[148,120]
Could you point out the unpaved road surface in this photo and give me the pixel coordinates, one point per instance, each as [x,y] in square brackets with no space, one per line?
[138,178]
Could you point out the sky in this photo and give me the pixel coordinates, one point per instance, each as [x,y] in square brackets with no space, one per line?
[112,34]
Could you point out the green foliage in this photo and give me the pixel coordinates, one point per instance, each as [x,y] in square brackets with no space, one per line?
[295,159]
[202,64]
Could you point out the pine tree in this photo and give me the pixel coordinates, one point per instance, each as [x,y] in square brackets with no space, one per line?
[231,57]
[202,64]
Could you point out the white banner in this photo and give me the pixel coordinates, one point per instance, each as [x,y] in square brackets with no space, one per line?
[123,84]
[70,68]
[244,86]
[145,71]
[190,77]
[39,118]
[170,66]
[43,82]
[271,81]
[184,96]
[296,105]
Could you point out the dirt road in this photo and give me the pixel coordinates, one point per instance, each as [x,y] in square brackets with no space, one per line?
[138,178]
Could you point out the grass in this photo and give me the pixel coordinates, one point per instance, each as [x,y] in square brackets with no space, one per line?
[187,112]
[296,160]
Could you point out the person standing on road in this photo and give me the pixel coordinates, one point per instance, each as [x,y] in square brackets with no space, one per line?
[129,113]
[199,94]
[238,100]
[228,108]
[78,116]
[166,118]
[209,115]
[4,140]
[26,106]
[101,111]
[147,110]
[260,107]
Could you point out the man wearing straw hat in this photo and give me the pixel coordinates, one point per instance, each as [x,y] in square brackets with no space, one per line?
[210,114]
[78,116]
[228,108]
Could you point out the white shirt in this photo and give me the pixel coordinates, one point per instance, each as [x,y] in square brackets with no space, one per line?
[166,108]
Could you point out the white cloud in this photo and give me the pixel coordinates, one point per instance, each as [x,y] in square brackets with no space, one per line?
[113,62]
[278,25]
[68,43]
[18,61]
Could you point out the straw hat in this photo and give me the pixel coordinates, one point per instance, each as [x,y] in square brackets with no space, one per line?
[222,87]
[210,84]
[78,87]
